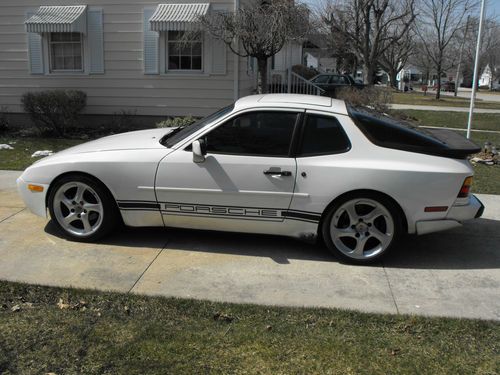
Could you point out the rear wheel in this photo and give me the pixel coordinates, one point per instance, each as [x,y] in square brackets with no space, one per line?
[361,229]
[82,208]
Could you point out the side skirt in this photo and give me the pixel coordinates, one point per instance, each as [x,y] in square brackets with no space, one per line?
[295,223]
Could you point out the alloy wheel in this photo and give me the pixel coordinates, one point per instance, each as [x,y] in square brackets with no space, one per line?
[362,228]
[78,208]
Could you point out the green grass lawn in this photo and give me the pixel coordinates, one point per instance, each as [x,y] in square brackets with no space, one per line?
[20,158]
[480,121]
[418,98]
[110,333]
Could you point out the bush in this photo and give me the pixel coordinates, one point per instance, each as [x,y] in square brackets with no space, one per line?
[176,122]
[54,110]
[377,98]
[304,71]
[4,121]
[123,120]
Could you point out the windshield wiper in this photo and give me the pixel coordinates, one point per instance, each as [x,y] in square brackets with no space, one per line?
[168,135]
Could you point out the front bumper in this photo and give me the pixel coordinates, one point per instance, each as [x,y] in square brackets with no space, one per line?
[456,215]
[35,201]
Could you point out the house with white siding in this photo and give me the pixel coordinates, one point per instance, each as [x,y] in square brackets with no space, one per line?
[124,54]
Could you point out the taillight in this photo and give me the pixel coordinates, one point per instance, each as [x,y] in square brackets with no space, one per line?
[464,190]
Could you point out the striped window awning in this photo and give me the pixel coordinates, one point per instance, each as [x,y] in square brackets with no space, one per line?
[177,16]
[53,19]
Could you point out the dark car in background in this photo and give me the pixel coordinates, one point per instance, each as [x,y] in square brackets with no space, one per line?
[331,83]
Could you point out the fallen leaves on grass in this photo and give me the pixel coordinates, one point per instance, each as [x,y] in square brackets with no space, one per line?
[62,305]
[223,317]
[395,352]
[80,305]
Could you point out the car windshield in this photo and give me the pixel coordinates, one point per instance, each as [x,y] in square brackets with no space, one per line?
[181,133]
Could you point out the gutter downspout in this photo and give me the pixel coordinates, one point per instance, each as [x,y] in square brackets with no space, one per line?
[236,68]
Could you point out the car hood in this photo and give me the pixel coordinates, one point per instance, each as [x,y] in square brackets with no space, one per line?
[136,140]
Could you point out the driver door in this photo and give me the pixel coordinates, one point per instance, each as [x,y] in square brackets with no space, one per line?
[246,180]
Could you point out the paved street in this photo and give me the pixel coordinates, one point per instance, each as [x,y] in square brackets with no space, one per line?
[455,273]
[482,95]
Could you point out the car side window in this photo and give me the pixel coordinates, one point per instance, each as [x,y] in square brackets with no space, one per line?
[255,133]
[343,81]
[322,135]
[334,79]
[321,79]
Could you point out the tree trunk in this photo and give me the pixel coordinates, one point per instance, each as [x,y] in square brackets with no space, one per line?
[262,64]
[368,73]
[438,92]
[393,76]
[439,69]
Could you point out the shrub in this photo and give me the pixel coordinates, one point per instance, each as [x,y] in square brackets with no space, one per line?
[123,120]
[377,98]
[176,122]
[54,110]
[304,71]
[4,121]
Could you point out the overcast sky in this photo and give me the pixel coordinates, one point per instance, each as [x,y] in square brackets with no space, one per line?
[492,7]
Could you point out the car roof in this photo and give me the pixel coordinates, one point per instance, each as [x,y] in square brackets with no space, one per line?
[292,101]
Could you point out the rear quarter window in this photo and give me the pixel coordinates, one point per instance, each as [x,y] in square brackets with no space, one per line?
[387,132]
[322,135]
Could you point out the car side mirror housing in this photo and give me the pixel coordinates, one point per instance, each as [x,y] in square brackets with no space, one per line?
[199,150]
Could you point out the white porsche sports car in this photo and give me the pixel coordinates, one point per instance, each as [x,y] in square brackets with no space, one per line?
[293,165]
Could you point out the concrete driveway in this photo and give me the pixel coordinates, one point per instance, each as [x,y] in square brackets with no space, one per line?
[454,273]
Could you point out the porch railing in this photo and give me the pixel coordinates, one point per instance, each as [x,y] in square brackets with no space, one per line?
[292,83]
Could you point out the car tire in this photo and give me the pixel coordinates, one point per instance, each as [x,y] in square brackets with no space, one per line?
[362,228]
[82,208]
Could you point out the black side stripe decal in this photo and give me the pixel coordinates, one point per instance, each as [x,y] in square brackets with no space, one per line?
[139,205]
[301,215]
[306,216]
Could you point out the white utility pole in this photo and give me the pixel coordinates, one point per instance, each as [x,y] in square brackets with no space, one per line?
[476,69]
[457,78]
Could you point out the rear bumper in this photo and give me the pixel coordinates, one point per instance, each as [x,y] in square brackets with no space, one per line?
[35,201]
[456,215]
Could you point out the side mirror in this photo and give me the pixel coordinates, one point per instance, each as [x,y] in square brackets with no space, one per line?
[199,150]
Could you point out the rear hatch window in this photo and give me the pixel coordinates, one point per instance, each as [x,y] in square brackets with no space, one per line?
[386,131]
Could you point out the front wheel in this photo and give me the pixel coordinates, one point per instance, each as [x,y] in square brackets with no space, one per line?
[362,229]
[82,208]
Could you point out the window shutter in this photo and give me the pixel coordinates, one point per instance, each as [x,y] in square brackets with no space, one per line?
[35,51]
[151,65]
[95,41]
[219,56]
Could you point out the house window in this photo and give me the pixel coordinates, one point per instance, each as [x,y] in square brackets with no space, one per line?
[66,52]
[184,52]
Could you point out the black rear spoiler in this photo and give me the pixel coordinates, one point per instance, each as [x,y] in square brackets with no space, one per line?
[458,146]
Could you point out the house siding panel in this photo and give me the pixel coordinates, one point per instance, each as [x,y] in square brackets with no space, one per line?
[123,86]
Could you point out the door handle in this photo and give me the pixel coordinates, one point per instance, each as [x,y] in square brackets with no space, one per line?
[277,172]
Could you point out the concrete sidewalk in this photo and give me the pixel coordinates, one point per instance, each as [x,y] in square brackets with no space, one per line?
[441,108]
[454,273]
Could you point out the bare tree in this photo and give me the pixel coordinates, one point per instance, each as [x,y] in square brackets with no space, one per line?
[438,24]
[259,29]
[370,27]
[421,60]
[347,62]
[490,48]
[396,56]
